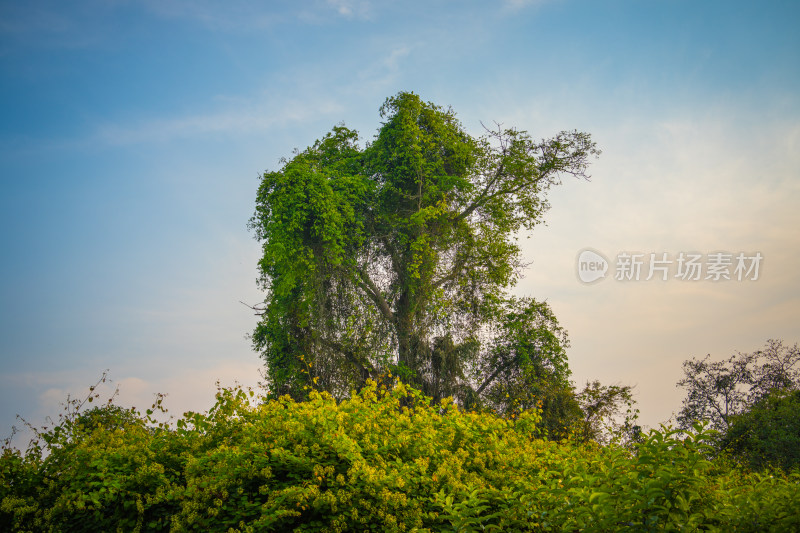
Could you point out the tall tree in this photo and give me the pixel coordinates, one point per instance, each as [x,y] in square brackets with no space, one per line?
[396,258]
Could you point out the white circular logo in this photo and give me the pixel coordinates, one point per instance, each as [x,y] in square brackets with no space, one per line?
[592,266]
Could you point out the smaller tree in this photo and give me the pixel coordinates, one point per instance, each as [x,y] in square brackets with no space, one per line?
[753,400]
[719,390]
[767,435]
[716,390]
[603,418]
[526,368]
[775,367]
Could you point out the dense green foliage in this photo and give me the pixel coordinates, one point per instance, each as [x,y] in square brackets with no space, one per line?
[768,434]
[386,459]
[395,259]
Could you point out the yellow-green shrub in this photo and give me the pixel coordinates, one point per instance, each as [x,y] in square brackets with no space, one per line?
[384,460]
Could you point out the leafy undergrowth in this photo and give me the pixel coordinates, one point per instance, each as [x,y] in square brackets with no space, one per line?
[381,461]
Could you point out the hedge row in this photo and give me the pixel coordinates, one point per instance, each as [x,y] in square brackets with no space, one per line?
[380,461]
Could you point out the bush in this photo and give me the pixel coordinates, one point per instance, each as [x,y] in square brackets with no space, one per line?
[384,460]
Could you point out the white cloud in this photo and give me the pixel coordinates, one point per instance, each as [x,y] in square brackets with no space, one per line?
[391,62]
[186,389]
[351,8]
[382,73]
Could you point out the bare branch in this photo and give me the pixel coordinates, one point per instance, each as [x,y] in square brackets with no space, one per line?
[259,311]
[494,375]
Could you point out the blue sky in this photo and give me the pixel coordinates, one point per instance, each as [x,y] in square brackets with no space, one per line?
[133,134]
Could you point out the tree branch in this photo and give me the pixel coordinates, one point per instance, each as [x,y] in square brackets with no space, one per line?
[260,311]
[364,364]
[481,199]
[494,375]
[454,273]
[372,291]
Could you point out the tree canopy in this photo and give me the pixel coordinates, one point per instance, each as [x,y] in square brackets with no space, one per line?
[767,434]
[752,400]
[396,258]
[720,390]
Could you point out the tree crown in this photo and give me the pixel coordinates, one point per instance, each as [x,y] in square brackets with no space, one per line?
[396,257]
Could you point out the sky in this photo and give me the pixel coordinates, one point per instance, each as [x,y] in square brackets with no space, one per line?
[134,132]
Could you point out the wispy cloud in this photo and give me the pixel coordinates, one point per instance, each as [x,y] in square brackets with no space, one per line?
[233,15]
[697,180]
[238,121]
[191,389]
[383,72]
[391,62]
[251,15]
[352,8]
[516,5]
[41,25]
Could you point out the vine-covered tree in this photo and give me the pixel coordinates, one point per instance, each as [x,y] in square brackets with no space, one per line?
[395,259]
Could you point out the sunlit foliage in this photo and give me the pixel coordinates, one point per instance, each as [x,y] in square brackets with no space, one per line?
[386,459]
